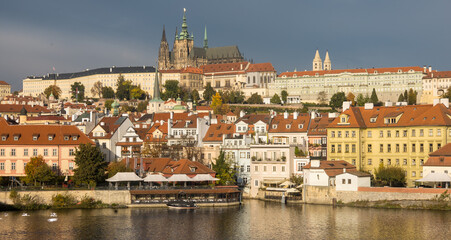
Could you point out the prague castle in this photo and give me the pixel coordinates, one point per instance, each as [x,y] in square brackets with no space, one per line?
[185,54]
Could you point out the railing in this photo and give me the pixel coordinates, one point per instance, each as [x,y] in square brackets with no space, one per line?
[166,201]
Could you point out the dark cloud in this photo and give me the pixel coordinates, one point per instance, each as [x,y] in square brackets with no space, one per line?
[72,36]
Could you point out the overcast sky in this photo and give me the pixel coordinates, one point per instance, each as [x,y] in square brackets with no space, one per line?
[71,36]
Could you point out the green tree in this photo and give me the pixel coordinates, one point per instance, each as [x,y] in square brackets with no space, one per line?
[255,99]
[172,89]
[401,98]
[127,108]
[336,101]
[115,167]
[53,89]
[195,96]
[217,105]
[142,106]
[107,92]
[412,97]
[322,97]
[284,94]
[137,93]
[90,165]
[390,176]
[406,96]
[208,92]
[78,91]
[276,99]
[360,100]
[224,169]
[96,89]
[37,171]
[374,98]
[108,104]
[123,88]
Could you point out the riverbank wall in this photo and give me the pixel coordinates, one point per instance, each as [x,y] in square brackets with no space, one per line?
[329,195]
[121,197]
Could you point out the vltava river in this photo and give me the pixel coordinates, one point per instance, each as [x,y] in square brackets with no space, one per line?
[254,220]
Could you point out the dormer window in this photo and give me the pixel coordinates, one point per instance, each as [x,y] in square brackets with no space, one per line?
[66,138]
[274,126]
[301,126]
[4,138]
[35,137]
[16,137]
[288,126]
[50,137]
[75,137]
[193,169]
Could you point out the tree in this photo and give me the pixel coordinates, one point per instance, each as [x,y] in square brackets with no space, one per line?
[412,97]
[37,171]
[296,179]
[127,108]
[53,89]
[171,89]
[208,92]
[255,99]
[322,97]
[374,99]
[115,167]
[390,176]
[123,88]
[351,97]
[284,94]
[107,92]
[406,96]
[91,165]
[137,93]
[401,98]
[96,89]
[78,91]
[224,170]
[360,100]
[142,106]
[108,104]
[276,99]
[195,96]
[336,101]
[217,105]
[232,96]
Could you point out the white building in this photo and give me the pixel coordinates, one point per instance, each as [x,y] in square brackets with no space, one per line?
[237,149]
[351,181]
[323,173]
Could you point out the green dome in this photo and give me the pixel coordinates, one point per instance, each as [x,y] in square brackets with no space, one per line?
[179,107]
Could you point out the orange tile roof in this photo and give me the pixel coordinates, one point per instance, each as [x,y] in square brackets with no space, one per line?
[412,115]
[183,166]
[47,117]
[170,71]
[26,133]
[224,67]
[279,124]
[443,151]
[109,124]
[318,126]
[339,71]
[216,131]
[192,70]
[261,67]
[333,168]
[442,74]
[15,108]
[3,83]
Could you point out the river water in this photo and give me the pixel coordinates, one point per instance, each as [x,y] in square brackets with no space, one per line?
[253,220]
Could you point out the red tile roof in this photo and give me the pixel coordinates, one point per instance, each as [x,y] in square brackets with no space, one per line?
[185,166]
[61,134]
[216,131]
[333,168]
[109,124]
[192,70]
[47,117]
[15,108]
[3,83]
[318,126]
[290,125]
[339,71]
[261,67]
[225,67]
[442,74]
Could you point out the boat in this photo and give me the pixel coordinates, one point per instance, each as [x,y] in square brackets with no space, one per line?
[182,205]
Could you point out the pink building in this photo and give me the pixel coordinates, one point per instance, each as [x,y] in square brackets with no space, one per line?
[56,143]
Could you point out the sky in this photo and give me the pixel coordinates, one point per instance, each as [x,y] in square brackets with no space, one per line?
[71,36]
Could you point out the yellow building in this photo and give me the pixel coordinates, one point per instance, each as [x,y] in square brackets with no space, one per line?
[435,84]
[393,135]
[5,89]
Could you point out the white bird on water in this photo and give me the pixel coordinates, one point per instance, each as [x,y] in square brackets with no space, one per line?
[53,215]
[25,215]
[52,219]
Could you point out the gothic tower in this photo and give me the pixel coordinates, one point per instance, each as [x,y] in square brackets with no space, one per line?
[163,54]
[317,62]
[182,46]
[205,38]
[327,62]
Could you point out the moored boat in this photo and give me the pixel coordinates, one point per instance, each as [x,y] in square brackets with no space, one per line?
[182,205]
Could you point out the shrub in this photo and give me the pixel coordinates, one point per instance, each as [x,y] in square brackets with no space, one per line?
[89,202]
[62,201]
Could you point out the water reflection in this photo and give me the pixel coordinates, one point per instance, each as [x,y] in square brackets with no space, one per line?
[254,220]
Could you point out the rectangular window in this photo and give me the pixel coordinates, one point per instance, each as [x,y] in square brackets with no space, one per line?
[35,152]
[13,166]
[388,133]
[431,132]
[71,152]
[370,161]
[404,162]
[2,152]
[346,134]
[332,134]
[2,166]
[413,147]
[248,168]
[25,152]
[264,169]
[388,161]
[388,147]
[103,145]
[256,183]
[248,155]
[439,132]
[397,162]
[414,162]
[397,147]
[381,133]
[349,181]
[414,173]
[370,148]
[381,161]
[54,166]
[55,153]
[339,148]
[439,146]
[46,152]
[71,166]
[404,148]
[274,168]
[346,148]
[413,133]
[353,162]
[353,134]
[431,147]
[332,148]
[256,168]
[13,152]
[343,181]
[353,148]
[404,133]
[421,147]
[370,135]
[421,162]
[397,133]
[339,134]
[283,168]
[381,148]
[421,132]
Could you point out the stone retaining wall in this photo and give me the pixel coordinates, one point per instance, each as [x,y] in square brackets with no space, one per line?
[106,196]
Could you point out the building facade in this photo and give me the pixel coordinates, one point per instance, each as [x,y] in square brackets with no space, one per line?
[435,84]
[5,89]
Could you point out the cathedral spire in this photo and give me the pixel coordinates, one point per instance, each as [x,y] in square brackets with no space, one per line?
[327,62]
[317,62]
[205,38]
[184,33]
[163,38]
[156,87]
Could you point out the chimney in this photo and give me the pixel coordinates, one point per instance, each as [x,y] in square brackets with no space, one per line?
[430,69]
[169,126]
[369,106]
[285,115]
[424,69]
[445,101]
[295,115]
[346,105]
[312,115]
[242,113]
[171,115]
[315,163]
[102,123]
[436,101]
[241,66]
[90,116]
[111,69]
[344,170]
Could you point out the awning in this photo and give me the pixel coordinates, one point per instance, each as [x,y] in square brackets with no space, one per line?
[155,178]
[435,177]
[287,184]
[273,180]
[204,177]
[124,177]
[180,178]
